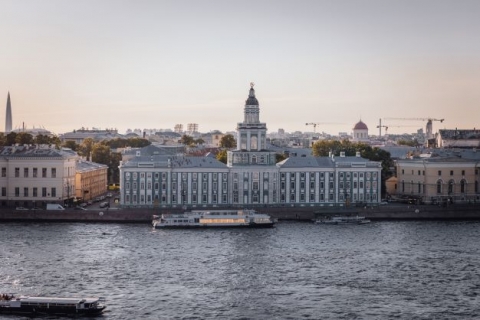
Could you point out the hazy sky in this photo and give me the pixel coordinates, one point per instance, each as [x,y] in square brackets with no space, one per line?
[153,64]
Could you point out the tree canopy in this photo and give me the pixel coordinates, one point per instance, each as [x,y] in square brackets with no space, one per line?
[228,141]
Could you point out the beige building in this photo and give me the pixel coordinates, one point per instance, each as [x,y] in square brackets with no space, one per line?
[438,180]
[34,176]
[90,180]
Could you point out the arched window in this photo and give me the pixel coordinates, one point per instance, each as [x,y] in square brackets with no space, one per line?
[451,185]
[463,184]
[439,186]
[253,143]
[254,159]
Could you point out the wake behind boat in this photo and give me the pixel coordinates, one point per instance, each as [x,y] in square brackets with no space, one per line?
[244,218]
[343,220]
[25,305]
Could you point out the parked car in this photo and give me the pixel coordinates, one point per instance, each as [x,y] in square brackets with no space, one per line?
[21,208]
[104,204]
[109,195]
[89,202]
[79,208]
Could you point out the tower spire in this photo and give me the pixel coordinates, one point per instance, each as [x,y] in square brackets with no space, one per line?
[8,115]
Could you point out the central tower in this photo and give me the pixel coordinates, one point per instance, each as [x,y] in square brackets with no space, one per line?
[251,137]
[251,133]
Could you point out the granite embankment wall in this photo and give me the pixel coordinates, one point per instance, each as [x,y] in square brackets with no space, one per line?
[387,212]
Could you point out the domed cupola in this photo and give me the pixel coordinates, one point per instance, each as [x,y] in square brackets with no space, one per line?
[360,126]
[360,131]
[251,101]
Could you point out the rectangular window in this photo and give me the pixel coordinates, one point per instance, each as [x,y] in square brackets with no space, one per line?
[194,198]
[418,172]
[25,172]
[204,198]
[149,186]
[142,186]
[463,172]
[54,172]
[35,192]
[451,172]
[312,185]
[255,185]
[35,172]
[17,192]
[25,192]
[17,172]
[44,172]
[54,192]
[4,191]
[439,172]
[4,172]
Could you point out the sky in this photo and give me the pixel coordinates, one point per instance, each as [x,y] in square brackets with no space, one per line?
[153,64]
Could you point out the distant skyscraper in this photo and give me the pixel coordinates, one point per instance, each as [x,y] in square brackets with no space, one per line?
[8,116]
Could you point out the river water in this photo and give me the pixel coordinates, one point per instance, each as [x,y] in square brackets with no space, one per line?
[384,270]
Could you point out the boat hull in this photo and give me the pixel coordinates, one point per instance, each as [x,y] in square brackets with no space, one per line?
[33,311]
[247,226]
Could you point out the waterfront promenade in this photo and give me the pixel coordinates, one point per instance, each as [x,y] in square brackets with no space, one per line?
[137,215]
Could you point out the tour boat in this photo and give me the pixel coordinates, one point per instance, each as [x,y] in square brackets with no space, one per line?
[25,305]
[343,220]
[213,218]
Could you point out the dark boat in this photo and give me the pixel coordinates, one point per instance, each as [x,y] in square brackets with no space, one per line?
[25,305]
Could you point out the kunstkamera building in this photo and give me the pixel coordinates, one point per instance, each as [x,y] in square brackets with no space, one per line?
[251,176]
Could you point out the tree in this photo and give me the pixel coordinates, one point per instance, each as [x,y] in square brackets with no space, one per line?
[10,138]
[199,141]
[279,157]
[187,140]
[3,139]
[222,156]
[71,145]
[86,148]
[101,154]
[228,141]
[24,138]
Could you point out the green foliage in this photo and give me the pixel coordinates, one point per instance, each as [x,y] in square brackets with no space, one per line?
[71,145]
[101,154]
[187,140]
[279,157]
[222,156]
[228,141]
[11,139]
[199,141]
[86,147]
[410,143]
[3,139]
[24,138]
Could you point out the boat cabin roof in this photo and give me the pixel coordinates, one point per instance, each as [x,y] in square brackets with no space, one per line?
[57,300]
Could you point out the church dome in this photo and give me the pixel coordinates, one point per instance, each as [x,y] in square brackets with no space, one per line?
[360,126]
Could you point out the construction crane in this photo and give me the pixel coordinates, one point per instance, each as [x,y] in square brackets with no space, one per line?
[429,127]
[315,124]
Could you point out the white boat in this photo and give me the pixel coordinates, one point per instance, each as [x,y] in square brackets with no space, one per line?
[213,218]
[26,305]
[343,220]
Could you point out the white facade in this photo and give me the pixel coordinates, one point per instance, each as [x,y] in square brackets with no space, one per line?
[250,177]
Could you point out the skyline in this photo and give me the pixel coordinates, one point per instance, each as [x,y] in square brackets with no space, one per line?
[149,64]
